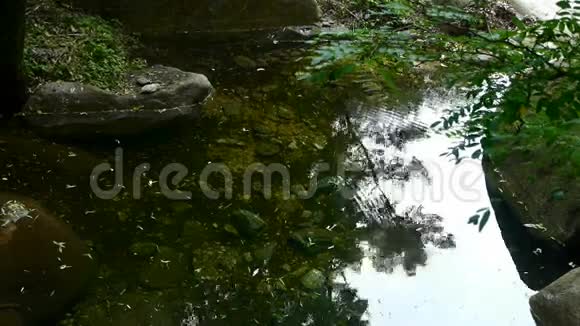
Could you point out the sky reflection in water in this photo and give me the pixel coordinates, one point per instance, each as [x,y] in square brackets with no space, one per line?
[475,283]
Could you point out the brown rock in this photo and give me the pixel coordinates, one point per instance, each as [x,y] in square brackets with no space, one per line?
[44,264]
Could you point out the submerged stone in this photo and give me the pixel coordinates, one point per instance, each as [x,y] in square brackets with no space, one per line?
[231,230]
[312,241]
[230,142]
[285,113]
[293,146]
[263,132]
[248,223]
[245,62]
[313,280]
[267,149]
[265,254]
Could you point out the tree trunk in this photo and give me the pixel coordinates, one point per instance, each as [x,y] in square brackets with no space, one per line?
[12,84]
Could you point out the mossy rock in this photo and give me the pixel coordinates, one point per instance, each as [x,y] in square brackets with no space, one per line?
[313,280]
[248,223]
[312,241]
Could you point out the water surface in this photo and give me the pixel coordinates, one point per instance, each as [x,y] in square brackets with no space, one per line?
[399,253]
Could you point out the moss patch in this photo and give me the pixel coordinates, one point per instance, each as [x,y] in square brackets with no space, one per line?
[65,45]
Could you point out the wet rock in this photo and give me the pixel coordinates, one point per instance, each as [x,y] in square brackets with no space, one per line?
[313,280]
[67,109]
[245,62]
[231,142]
[167,270]
[56,261]
[248,223]
[267,149]
[150,88]
[285,114]
[558,303]
[293,146]
[318,146]
[307,214]
[265,254]
[262,131]
[231,230]
[142,81]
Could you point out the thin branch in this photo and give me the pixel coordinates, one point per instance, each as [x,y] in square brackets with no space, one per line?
[390,210]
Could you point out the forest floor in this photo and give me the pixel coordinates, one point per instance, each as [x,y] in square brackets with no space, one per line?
[63,44]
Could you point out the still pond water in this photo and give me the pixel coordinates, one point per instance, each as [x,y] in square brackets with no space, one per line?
[398,252]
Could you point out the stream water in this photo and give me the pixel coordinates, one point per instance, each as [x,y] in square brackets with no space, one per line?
[544,9]
[474,283]
[396,249]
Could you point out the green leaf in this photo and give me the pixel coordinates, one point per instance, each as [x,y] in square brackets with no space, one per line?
[484,220]
[473,220]
[476,155]
[563,4]
[519,24]
[575,158]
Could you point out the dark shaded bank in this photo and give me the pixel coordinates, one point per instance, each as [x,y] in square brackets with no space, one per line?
[165,18]
[539,261]
[12,90]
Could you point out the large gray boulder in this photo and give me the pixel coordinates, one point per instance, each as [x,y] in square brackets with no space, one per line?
[559,303]
[163,18]
[155,97]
